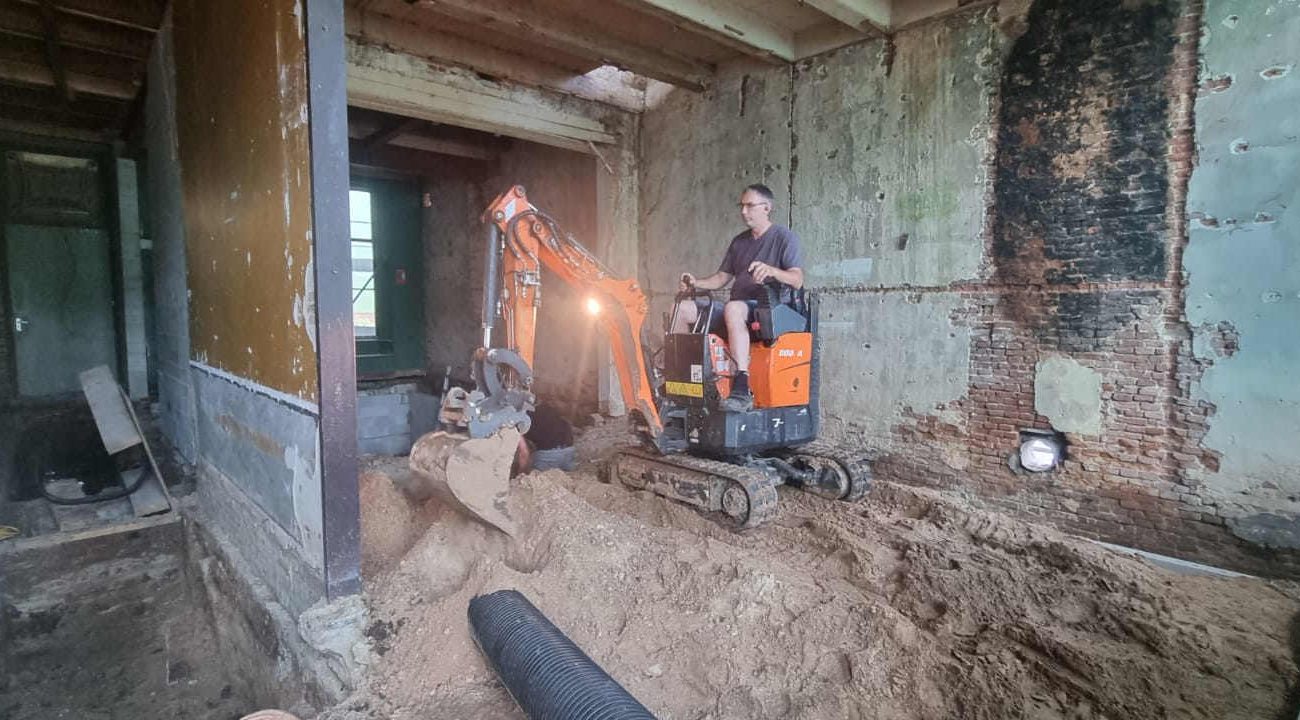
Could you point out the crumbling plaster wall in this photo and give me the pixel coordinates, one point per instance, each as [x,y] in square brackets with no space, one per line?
[993,206]
[1243,263]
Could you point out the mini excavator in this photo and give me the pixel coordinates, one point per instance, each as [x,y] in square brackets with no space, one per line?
[693,451]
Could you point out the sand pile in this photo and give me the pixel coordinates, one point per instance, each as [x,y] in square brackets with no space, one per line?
[909,605]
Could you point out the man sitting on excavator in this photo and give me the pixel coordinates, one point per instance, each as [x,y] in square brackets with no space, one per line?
[765,251]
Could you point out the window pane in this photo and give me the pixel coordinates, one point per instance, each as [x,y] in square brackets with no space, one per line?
[359,212]
[363,289]
[359,205]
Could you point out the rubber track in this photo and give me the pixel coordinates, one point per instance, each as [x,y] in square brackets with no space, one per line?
[856,464]
[758,484]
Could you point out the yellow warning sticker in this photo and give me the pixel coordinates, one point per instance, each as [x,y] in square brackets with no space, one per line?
[687,389]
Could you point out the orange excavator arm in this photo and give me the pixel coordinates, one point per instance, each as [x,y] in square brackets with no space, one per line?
[525,239]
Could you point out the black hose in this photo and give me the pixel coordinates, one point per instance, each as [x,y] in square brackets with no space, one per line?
[548,676]
[101,497]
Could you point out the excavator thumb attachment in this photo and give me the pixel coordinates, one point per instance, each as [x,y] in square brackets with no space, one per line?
[476,471]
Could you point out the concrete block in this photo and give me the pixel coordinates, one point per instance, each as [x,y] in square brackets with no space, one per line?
[424,413]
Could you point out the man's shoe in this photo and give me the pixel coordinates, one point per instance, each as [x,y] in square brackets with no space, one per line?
[737,403]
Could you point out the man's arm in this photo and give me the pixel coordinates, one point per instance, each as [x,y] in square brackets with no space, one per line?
[716,281]
[762,271]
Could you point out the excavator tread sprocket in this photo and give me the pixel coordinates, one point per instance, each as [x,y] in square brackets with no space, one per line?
[746,494]
[855,463]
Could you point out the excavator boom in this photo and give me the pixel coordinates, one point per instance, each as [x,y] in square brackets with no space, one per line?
[527,239]
[521,240]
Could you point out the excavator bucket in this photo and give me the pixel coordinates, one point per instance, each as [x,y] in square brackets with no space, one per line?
[476,471]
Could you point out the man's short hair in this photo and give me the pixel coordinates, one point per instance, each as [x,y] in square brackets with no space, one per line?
[762,190]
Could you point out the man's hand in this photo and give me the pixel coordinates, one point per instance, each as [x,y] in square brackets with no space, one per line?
[761,271]
[686,283]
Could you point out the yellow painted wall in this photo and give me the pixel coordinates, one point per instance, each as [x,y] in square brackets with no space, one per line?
[241,80]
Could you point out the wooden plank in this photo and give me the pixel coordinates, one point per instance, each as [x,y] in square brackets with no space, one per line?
[605,85]
[95,536]
[826,37]
[382,137]
[45,129]
[20,72]
[736,25]
[579,37]
[911,13]
[402,85]
[857,14]
[25,21]
[143,15]
[442,147]
[108,405]
[151,498]
[53,51]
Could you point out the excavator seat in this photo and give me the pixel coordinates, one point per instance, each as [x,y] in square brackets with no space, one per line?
[773,318]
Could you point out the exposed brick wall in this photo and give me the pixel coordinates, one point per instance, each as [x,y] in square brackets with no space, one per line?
[1082,181]
[1094,151]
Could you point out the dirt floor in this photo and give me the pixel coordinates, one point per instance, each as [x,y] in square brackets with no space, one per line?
[909,605]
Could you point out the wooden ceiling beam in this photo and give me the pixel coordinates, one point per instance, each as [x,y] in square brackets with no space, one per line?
[374,26]
[53,51]
[912,12]
[26,74]
[386,135]
[39,100]
[25,21]
[858,14]
[826,37]
[51,129]
[576,36]
[145,15]
[739,27]
[399,84]
[439,146]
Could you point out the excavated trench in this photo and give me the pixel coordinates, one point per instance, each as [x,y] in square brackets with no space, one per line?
[912,604]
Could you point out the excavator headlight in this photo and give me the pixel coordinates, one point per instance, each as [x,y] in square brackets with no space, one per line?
[593,306]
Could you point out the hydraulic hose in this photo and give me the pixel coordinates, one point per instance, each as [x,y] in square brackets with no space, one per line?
[548,676]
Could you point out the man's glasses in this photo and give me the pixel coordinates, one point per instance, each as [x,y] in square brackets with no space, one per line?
[743,206]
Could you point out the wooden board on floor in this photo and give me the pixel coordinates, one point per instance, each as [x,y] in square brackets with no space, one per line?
[151,498]
[108,405]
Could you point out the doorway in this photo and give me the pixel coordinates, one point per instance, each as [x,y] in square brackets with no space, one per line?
[59,270]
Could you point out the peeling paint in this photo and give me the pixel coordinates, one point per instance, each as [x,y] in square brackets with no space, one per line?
[1243,291]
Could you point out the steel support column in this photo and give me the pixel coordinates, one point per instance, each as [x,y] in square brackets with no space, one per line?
[335,344]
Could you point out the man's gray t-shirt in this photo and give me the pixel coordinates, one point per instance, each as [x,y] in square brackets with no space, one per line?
[778,247]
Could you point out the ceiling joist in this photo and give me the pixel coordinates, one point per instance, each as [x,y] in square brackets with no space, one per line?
[40,75]
[606,85]
[141,15]
[576,37]
[26,22]
[858,14]
[731,24]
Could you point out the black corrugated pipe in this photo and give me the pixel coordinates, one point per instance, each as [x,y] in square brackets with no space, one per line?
[548,676]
